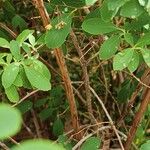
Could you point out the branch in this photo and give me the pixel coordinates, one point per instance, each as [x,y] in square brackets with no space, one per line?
[63,68]
[85,75]
[108,116]
[137,119]
[134,95]
[12,33]
[4,146]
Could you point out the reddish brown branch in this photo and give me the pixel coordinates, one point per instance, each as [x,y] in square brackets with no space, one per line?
[39,4]
[133,97]
[68,87]
[63,68]
[137,119]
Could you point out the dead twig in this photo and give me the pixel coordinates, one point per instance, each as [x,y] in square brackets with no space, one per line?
[85,74]
[12,33]
[4,146]
[25,97]
[37,126]
[108,116]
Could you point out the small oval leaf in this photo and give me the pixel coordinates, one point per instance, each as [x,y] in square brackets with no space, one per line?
[38,145]
[93,143]
[24,36]
[122,59]
[9,75]
[4,43]
[109,47]
[12,93]
[146,56]
[15,49]
[37,79]
[131,9]
[134,63]
[56,36]
[10,121]
[97,26]
[145,146]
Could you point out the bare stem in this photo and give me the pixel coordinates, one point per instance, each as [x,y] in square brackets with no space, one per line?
[63,68]
[137,119]
[85,74]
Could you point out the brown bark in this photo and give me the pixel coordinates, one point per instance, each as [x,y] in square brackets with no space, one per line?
[137,119]
[134,95]
[63,68]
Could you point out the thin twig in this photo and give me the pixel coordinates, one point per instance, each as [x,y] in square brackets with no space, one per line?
[140,81]
[28,129]
[37,126]
[88,136]
[13,141]
[108,116]
[25,97]
[85,74]
[12,33]
[4,146]
[134,95]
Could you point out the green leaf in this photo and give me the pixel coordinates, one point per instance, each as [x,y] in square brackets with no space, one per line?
[93,143]
[25,81]
[122,59]
[10,121]
[40,67]
[40,102]
[109,47]
[77,3]
[25,106]
[131,9]
[94,14]
[56,36]
[18,81]
[63,139]
[38,145]
[145,146]
[98,26]
[106,14]
[134,63]
[146,56]
[41,39]
[24,36]
[58,127]
[15,50]
[9,58]
[90,2]
[32,39]
[18,21]
[115,4]
[12,93]
[4,43]
[9,75]
[142,2]
[122,96]
[46,113]
[144,40]
[129,38]
[37,79]
[26,48]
